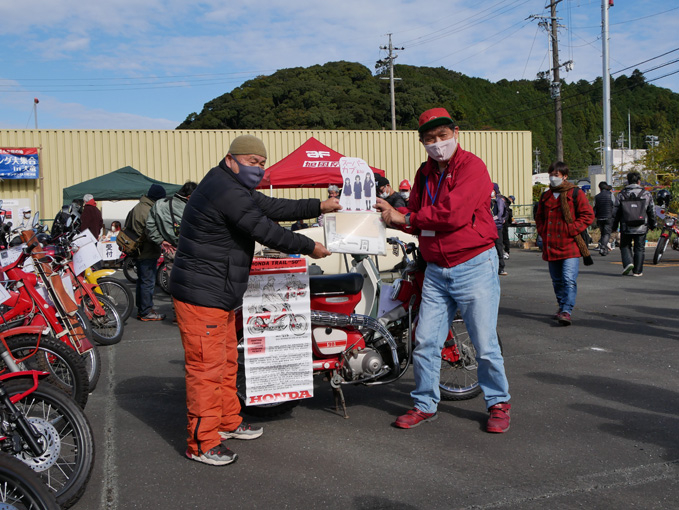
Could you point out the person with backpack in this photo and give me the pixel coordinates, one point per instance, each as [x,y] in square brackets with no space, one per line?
[562,216]
[635,213]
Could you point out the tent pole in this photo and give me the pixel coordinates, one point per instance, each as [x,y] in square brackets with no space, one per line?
[271,190]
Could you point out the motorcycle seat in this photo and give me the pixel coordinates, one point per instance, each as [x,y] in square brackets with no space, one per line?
[348,283]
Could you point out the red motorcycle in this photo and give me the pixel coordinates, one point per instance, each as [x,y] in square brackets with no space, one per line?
[354,348]
[669,227]
[263,318]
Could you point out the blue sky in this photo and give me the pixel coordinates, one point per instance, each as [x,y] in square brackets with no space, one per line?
[147,64]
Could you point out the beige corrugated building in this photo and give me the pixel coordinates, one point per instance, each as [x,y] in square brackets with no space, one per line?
[70,157]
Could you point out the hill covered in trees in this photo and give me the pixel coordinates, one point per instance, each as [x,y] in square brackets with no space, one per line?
[346,95]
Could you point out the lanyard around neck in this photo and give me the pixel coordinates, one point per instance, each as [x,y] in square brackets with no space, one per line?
[438,188]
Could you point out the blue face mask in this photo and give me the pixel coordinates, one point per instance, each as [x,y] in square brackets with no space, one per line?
[249,176]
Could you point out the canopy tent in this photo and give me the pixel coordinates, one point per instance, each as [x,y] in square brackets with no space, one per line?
[311,165]
[125,183]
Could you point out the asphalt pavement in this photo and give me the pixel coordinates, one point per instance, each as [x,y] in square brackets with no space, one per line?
[595,417]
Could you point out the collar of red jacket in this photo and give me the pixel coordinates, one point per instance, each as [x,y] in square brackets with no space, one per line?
[91,202]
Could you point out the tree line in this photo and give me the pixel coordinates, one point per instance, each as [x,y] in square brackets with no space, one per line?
[346,95]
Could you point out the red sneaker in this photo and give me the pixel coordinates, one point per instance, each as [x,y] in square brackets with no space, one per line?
[498,421]
[413,418]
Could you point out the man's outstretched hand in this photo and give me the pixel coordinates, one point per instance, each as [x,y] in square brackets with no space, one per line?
[320,252]
[330,205]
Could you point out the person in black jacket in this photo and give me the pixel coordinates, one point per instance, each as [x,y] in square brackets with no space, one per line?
[221,222]
[604,206]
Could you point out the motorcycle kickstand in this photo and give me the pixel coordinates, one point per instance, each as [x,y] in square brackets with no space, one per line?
[339,399]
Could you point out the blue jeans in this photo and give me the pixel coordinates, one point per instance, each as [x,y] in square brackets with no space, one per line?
[564,275]
[473,287]
[146,284]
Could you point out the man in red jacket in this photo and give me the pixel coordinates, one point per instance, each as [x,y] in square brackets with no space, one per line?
[91,217]
[449,208]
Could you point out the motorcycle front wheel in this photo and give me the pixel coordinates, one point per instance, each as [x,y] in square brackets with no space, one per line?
[66,368]
[66,464]
[264,410]
[459,379]
[107,329]
[660,249]
[21,488]
[120,294]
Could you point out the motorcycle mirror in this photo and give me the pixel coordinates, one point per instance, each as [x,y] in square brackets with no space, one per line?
[36,219]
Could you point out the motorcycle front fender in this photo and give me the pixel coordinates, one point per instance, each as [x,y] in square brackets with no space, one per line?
[35,375]
[34,329]
[101,273]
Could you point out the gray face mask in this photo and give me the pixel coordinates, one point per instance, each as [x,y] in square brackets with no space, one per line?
[249,176]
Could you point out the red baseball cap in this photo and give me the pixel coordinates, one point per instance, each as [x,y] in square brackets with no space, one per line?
[433,118]
[404,185]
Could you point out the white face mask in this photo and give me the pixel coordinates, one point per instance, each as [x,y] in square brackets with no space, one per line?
[384,195]
[555,181]
[405,195]
[442,151]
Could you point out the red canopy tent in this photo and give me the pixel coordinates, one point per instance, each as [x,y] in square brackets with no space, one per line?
[311,165]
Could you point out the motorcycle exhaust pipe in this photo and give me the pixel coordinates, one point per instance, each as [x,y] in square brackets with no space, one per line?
[339,320]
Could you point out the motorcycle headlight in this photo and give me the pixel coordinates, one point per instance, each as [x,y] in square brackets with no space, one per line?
[670,221]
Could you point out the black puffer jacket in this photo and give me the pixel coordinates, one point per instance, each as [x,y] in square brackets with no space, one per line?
[220,225]
[604,205]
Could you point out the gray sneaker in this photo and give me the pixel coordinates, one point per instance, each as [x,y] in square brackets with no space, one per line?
[244,431]
[220,455]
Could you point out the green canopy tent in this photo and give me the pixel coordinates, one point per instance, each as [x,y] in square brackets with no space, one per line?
[125,183]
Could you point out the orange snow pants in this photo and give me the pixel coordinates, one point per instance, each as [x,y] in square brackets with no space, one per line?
[211,365]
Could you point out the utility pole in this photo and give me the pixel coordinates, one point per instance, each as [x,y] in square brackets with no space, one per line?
[555,87]
[556,83]
[608,155]
[536,167]
[35,111]
[390,62]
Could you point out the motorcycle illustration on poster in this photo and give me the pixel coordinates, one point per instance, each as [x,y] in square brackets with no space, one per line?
[276,332]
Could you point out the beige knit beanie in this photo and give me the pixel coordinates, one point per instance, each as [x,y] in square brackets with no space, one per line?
[247,144]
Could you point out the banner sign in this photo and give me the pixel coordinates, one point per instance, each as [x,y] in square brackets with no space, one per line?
[19,163]
[277,332]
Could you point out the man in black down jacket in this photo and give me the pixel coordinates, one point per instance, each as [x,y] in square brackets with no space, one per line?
[604,207]
[221,222]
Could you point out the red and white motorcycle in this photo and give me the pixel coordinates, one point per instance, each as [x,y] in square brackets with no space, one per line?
[350,347]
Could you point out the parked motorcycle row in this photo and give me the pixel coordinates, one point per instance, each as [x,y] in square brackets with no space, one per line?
[51,316]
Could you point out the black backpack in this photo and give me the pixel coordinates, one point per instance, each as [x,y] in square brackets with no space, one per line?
[633,209]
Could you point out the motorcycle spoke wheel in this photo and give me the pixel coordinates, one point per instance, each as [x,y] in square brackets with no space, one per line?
[107,329]
[659,249]
[163,278]
[66,465]
[459,379]
[130,269]
[92,360]
[298,324]
[21,488]
[119,294]
[66,367]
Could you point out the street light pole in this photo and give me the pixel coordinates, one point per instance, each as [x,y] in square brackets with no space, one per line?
[608,155]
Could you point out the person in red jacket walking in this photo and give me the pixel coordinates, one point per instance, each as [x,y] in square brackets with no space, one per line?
[449,208]
[563,213]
